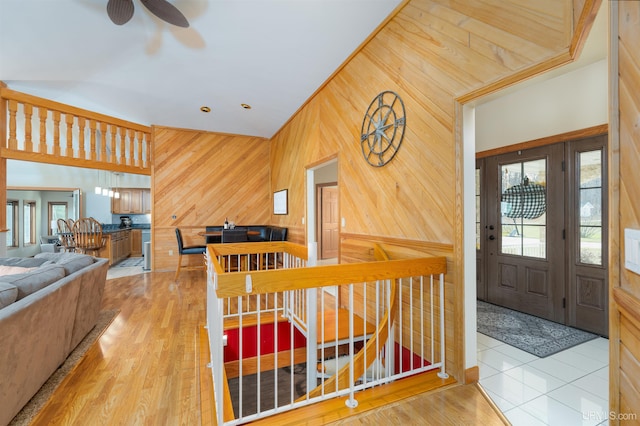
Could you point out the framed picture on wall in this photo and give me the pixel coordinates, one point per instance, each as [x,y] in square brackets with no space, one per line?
[280,202]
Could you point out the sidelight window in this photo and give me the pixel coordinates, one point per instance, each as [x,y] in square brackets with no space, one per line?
[523,207]
[590,204]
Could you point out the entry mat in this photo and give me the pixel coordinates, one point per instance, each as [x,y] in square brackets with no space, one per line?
[534,335]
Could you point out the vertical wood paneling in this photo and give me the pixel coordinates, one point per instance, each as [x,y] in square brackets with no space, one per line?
[624,155]
[202,178]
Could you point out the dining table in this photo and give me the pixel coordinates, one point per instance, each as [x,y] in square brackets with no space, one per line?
[219,233]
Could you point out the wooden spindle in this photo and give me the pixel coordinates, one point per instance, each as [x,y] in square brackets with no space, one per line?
[28,141]
[132,138]
[147,138]
[69,149]
[114,131]
[123,148]
[103,142]
[56,133]
[43,113]
[139,161]
[13,136]
[92,142]
[82,153]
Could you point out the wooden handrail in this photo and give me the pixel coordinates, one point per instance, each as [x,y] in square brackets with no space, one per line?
[271,281]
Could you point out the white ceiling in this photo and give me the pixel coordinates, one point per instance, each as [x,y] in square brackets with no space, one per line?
[270,54]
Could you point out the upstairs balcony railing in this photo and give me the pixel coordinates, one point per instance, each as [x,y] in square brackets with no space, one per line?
[44,131]
[283,335]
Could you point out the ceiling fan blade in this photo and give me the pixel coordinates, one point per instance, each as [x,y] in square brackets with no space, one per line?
[166,11]
[120,11]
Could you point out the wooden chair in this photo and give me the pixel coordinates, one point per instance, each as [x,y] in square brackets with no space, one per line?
[188,250]
[87,233]
[66,235]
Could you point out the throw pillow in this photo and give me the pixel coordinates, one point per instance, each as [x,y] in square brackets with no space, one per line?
[12,270]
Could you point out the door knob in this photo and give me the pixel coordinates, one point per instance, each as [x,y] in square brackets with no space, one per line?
[491,237]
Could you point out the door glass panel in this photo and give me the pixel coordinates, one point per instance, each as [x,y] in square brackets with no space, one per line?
[523,208]
[590,199]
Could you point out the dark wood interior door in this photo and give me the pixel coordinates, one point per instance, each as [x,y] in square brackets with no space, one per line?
[524,245]
[329,222]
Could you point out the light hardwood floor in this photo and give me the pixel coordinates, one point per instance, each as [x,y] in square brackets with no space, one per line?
[145,370]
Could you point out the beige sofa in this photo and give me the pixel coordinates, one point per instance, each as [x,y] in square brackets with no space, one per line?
[44,313]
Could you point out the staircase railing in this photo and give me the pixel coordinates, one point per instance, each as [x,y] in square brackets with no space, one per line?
[387,317]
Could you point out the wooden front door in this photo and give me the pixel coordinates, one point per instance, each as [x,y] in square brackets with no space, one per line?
[329,231]
[541,232]
[525,221]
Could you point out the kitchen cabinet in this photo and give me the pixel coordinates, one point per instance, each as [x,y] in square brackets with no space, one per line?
[132,201]
[136,242]
[117,246]
[146,201]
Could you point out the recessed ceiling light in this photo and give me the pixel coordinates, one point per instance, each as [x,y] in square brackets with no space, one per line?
[205,109]
[245,106]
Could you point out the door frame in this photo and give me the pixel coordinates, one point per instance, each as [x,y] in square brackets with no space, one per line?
[313,172]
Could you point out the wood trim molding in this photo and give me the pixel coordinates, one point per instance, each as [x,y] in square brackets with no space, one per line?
[583,28]
[549,140]
[472,375]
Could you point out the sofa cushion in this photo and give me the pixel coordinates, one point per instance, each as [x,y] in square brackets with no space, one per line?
[72,262]
[12,270]
[8,294]
[23,262]
[35,280]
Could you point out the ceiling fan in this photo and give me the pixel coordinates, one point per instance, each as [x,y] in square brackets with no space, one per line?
[121,11]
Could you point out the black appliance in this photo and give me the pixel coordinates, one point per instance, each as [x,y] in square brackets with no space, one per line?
[125,222]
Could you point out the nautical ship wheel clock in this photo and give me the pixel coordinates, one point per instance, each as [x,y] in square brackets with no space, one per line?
[382,128]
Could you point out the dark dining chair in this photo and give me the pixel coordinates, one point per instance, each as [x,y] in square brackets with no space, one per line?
[234,236]
[188,250]
[213,239]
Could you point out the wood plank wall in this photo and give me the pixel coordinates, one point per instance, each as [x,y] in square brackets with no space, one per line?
[201,178]
[431,53]
[624,188]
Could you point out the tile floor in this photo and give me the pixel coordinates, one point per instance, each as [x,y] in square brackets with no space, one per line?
[568,388]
